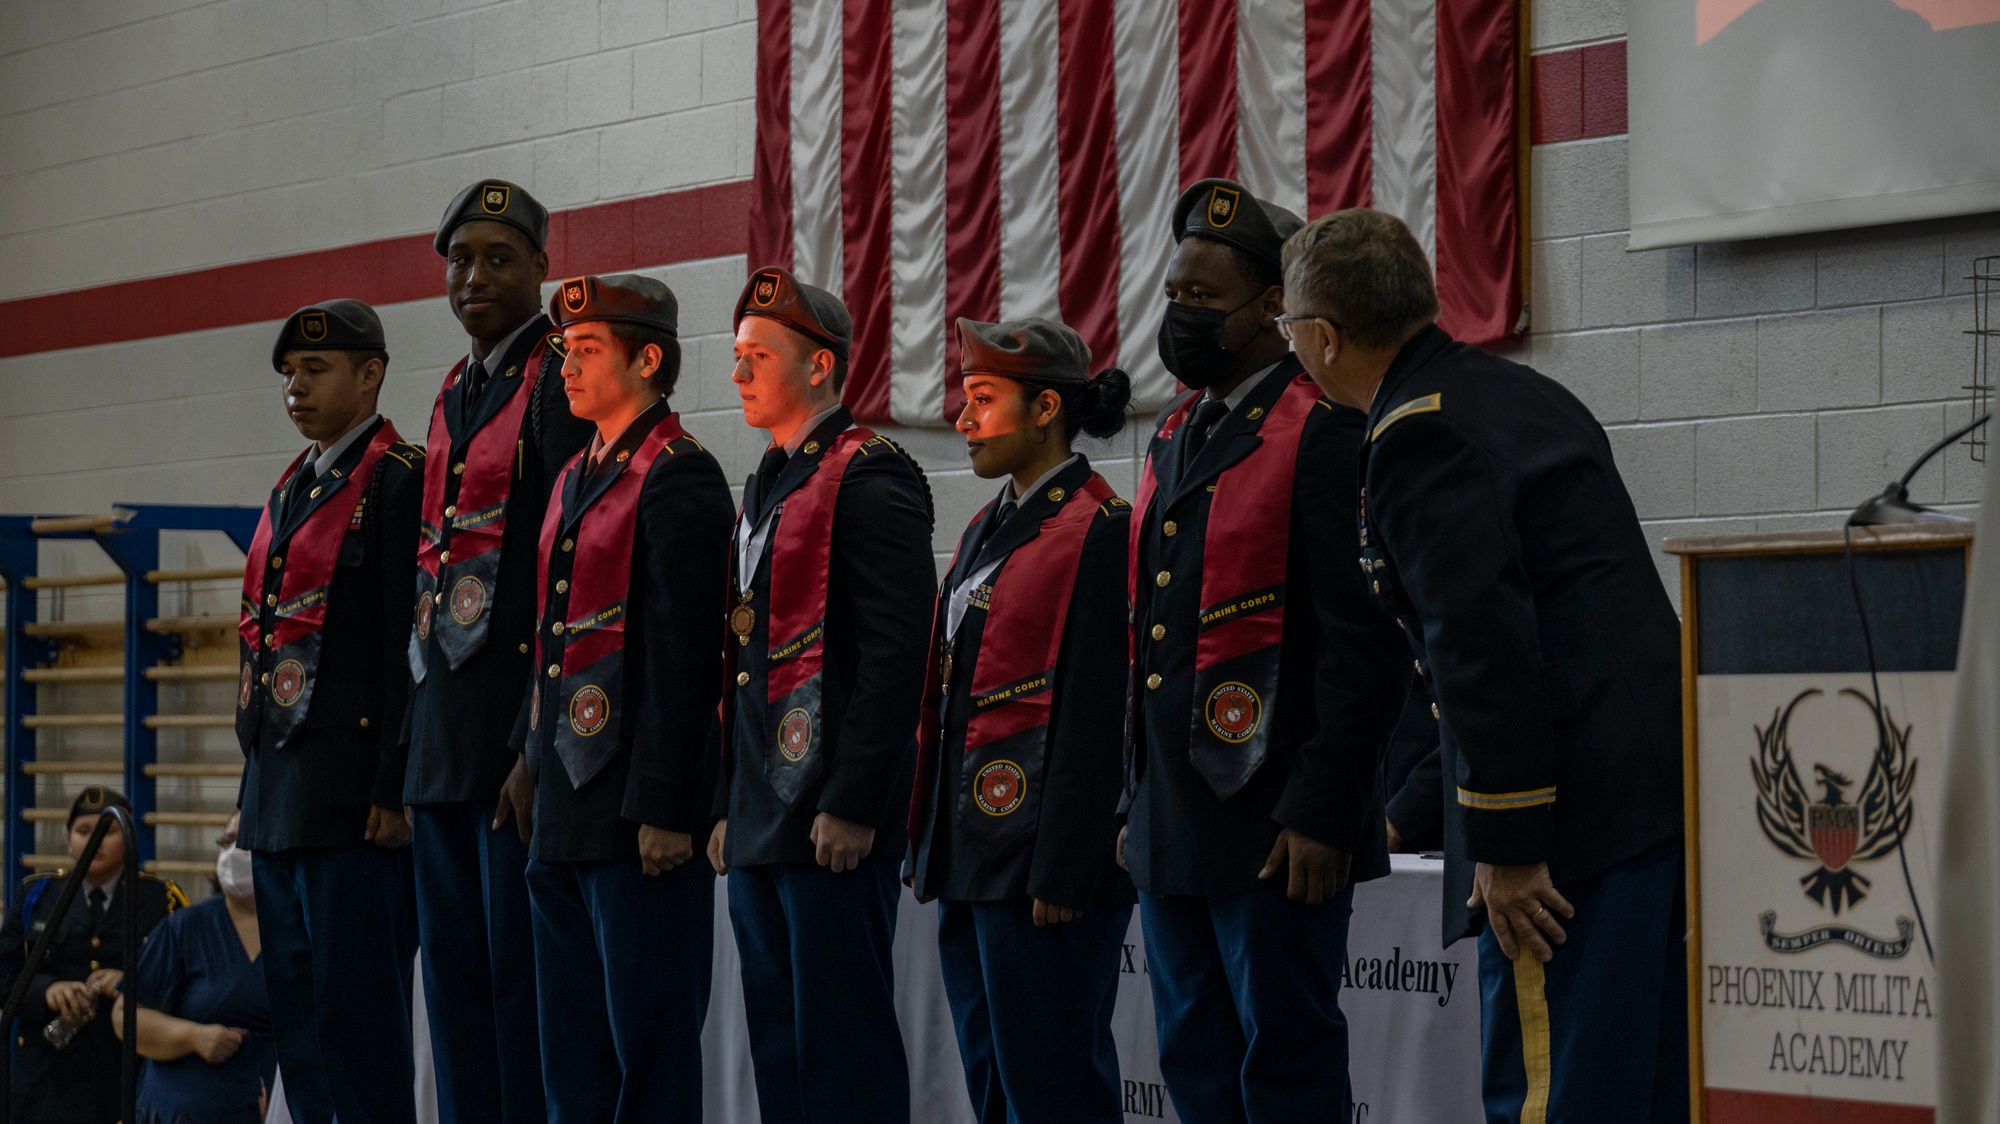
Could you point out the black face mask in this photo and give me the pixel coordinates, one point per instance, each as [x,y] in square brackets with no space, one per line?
[1191,343]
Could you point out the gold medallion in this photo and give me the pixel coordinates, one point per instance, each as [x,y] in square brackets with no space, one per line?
[742,619]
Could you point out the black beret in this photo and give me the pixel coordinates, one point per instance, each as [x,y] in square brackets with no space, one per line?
[1226,212]
[1031,350]
[773,292]
[622,298]
[93,800]
[495,201]
[335,325]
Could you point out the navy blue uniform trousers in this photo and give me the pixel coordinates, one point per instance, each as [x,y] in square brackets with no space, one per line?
[625,960]
[1600,1032]
[1246,999]
[819,991]
[1033,1010]
[340,940]
[479,965]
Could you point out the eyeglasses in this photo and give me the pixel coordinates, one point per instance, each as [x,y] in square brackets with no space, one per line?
[1285,323]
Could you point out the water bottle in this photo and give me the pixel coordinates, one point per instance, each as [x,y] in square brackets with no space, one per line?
[62,1029]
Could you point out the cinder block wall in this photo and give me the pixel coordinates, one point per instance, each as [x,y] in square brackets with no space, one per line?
[1749,386]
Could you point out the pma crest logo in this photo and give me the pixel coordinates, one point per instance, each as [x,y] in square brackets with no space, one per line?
[312,326]
[574,296]
[1834,832]
[766,290]
[1223,203]
[493,198]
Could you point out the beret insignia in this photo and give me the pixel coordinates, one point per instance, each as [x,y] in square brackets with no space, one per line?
[493,198]
[766,291]
[312,326]
[1222,204]
[574,297]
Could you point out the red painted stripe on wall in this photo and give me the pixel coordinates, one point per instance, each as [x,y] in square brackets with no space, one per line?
[1087,160]
[971,178]
[1738,1106]
[1340,106]
[703,222]
[865,162]
[1578,93]
[1208,91]
[1478,153]
[771,235]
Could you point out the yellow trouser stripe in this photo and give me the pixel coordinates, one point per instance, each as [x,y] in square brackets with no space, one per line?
[1533,1002]
[1507,801]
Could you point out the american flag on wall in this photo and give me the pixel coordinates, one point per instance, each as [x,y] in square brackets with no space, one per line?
[929,159]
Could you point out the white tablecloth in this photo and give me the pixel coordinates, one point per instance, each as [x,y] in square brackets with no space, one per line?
[1412,1009]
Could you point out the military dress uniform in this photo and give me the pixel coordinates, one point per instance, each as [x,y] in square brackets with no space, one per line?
[1497,528]
[1020,769]
[78,1084]
[832,584]
[635,556]
[327,591]
[500,433]
[1243,607]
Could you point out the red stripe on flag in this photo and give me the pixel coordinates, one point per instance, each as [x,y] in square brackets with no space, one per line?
[1340,102]
[971,178]
[1740,1106]
[1478,199]
[1208,90]
[865,113]
[771,224]
[1087,175]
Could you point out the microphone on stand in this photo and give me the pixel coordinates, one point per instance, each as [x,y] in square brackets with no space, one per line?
[1894,506]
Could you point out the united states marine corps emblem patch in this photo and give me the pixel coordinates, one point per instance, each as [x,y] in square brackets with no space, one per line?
[243,689]
[288,682]
[766,290]
[426,605]
[574,296]
[468,600]
[795,734]
[1234,712]
[999,788]
[1222,206]
[588,711]
[493,198]
[312,326]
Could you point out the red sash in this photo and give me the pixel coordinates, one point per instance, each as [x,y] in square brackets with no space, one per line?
[1244,556]
[281,631]
[800,548]
[590,690]
[1012,682]
[458,546]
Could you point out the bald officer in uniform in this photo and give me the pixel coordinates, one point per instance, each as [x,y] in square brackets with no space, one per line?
[829,627]
[327,591]
[1498,530]
[634,558]
[79,976]
[499,434]
[1250,811]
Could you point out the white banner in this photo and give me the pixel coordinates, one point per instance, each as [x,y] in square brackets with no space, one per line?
[1412,1009]
[1751,118]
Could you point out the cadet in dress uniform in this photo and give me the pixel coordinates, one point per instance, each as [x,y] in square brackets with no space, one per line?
[1020,763]
[78,1083]
[833,589]
[634,560]
[499,434]
[1250,812]
[327,590]
[1495,524]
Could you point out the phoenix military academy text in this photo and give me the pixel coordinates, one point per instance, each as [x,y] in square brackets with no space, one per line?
[1805,989]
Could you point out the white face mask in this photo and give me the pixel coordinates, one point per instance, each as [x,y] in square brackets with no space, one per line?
[232,869]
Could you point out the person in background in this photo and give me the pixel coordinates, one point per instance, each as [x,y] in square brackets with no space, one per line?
[832,590]
[1497,529]
[204,1021]
[1019,760]
[635,557]
[1251,810]
[500,432]
[327,591]
[76,1082]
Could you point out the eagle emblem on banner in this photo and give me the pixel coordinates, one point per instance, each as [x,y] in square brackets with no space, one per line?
[1832,830]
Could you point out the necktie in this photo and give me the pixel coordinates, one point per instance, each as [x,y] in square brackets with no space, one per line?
[993,528]
[475,380]
[298,492]
[97,906]
[767,476]
[1205,417]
